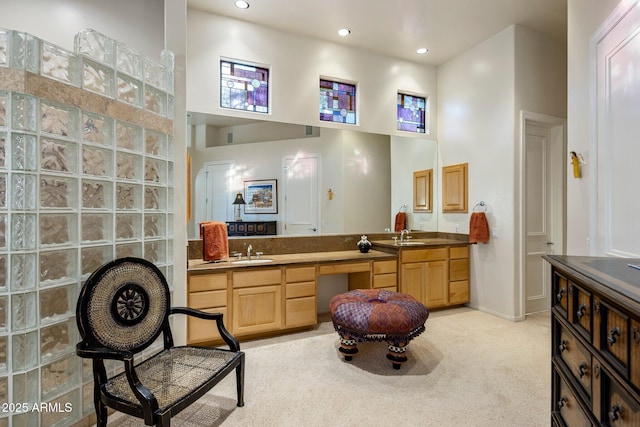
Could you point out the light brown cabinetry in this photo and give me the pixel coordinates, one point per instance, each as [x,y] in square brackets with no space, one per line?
[455,194]
[595,343]
[385,275]
[257,301]
[300,297]
[207,292]
[458,275]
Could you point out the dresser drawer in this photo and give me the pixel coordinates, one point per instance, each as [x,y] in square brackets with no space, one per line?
[207,299]
[635,354]
[385,280]
[568,406]
[456,252]
[560,295]
[613,340]
[581,309]
[382,267]
[618,408]
[459,269]
[576,357]
[300,274]
[301,289]
[207,282]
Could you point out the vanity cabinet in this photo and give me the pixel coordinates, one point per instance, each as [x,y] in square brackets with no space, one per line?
[458,275]
[206,292]
[300,296]
[425,275]
[595,347]
[257,301]
[385,275]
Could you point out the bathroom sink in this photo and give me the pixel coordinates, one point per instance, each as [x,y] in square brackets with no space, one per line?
[252,261]
[411,243]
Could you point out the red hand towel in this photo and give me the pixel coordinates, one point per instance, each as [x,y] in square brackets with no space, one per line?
[401,222]
[478,228]
[215,245]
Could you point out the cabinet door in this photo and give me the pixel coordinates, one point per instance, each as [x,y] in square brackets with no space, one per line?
[257,309]
[454,188]
[413,279]
[437,284]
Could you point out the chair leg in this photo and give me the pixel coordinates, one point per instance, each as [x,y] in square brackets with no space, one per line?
[240,381]
[101,409]
[164,420]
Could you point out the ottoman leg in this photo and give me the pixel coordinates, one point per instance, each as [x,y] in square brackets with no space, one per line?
[397,353]
[348,347]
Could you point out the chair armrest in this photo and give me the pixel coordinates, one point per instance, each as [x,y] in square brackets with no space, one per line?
[231,341]
[86,351]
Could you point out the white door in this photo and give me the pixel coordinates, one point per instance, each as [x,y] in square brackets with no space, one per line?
[216,197]
[300,178]
[543,195]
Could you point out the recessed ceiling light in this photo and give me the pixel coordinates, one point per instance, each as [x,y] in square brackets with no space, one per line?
[422,51]
[241,4]
[344,32]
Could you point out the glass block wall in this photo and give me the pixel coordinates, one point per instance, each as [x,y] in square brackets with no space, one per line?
[86,176]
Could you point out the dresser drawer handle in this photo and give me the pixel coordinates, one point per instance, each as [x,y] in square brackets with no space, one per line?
[612,335]
[563,346]
[636,335]
[581,311]
[616,411]
[563,401]
[582,369]
[560,294]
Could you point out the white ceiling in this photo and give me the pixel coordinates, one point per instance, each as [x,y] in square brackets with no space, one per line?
[398,27]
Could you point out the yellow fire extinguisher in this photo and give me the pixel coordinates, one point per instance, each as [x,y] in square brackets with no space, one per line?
[576,165]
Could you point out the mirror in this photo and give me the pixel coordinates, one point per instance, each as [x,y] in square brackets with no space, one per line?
[363,179]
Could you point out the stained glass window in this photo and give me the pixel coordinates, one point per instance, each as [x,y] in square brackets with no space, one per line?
[337,102]
[411,113]
[244,87]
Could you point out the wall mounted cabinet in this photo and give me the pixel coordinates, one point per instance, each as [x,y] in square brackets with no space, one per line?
[455,192]
[423,191]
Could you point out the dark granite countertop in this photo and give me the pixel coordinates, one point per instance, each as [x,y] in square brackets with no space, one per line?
[419,243]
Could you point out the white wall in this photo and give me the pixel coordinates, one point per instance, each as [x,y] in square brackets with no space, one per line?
[584,18]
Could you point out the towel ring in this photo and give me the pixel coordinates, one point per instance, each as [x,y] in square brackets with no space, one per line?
[403,208]
[482,204]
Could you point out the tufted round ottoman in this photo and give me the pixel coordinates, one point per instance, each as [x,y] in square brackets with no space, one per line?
[377,315]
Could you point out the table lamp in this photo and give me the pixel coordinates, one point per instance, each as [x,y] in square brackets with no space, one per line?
[238,202]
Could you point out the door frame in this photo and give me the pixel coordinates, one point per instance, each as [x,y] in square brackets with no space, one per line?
[558,128]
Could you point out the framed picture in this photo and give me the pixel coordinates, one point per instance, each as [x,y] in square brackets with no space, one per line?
[261,196]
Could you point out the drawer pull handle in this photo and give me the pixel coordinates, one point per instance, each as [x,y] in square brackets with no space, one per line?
[616,411]
[582,369]
[581,311]
[612,335]
[563,401]
[563,346]
[636,335]
[560,294]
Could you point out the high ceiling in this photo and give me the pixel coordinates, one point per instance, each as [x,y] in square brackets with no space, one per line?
[398,27]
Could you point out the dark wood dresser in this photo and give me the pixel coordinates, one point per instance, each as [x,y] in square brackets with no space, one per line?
[251,228]
[595,346]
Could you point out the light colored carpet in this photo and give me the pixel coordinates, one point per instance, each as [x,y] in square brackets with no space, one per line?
[468,368]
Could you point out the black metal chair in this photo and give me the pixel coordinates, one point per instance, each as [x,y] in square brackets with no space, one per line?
[122,309]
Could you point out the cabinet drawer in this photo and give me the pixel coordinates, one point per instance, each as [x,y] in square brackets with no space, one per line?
[456,252]
[635,353]
[385,280]
[580,312]
[614,334]
[383,267]
[302,289]
[200,330]
[418,255]
[300,274]
[459,292]
[568,407]
[244,279]
[577,358]
[207,282]
[300,312]
[354,267]
[459,269]
[560,296]
[618,409]
[207,299]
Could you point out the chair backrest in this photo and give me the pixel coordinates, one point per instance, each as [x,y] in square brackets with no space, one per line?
[123,305]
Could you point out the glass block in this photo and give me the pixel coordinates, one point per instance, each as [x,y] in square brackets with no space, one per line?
[57,304]
[58,229]
[23,152]
[129,250]
[169,225]
[4,270]
[68,412]
[58,119]
[129,90]
[96,45]
[155,74]
[96,228]
[3,190]
[97,194]
[87,399]
[3,144]
[155,143]
[170,204]
[24,188]
[57,267]
[129,136]
[97,161]
[4,391]
[23,112]
[25,386]
[60,64]
[4,47]
[58,192]
[154,225]
[98,78]
[59,156]
[171,107]
[23,311]
[23,271]
[170,174]
[128,196]
[129,166]
[4,347]
[58,339]
[155,170]
[170,151]
[25,419]
[59,375]
[93,257]
[3,312]
[128,60]
[3,232]
[128,226]
[23,231]
[155,100]
[98,129]
[167,58]
[155,198]
[3,109]
[155,251]
[24,52]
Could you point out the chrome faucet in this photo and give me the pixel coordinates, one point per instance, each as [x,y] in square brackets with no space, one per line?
[249,248]
[403,233]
